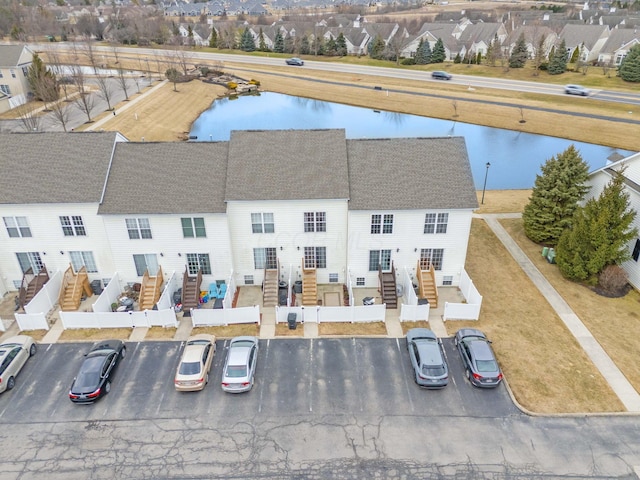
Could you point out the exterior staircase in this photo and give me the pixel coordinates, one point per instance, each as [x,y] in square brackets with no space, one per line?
[388,290]
[309,286]
[270,288]
[150,290]
[73,286]
[427,287]
[31,285]
[190,290]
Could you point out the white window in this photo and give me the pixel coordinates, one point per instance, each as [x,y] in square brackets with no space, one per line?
[315,257]
[359,281]
[17,226]
[193,227]
[72,225]
[381,223]
[436,223]
[315,221]
[29,260]
[265,258]
[333,278]
[248,279]
[144,262]
[197,261]
[447,280]
[262,223]
[5,89]
[83,259]
[13,73]
[379,257]
[138,228]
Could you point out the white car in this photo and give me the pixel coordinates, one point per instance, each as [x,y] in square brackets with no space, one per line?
[192,373]
[240,365]
[576,90]
[14,353]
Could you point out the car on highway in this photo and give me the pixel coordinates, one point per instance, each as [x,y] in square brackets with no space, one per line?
[14,353]
[192,373]
[240,365]
[576,90]
[440,75]
[427,358]
[477,356]
[295,61]
[96,372]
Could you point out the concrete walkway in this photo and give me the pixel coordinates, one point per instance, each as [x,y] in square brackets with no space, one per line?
[612,374]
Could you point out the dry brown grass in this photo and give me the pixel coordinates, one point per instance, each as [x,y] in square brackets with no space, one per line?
[503,201]
[229,331]
[614,322]
[352,329]
[37,335]
[160,333]
[282,330]
[543,363]
[94,334]
[406,326]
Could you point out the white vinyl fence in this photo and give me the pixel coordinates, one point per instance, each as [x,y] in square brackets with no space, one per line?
[36,311]
[201,317]
[148,318]
[464,311]
[410,311]
[354,314]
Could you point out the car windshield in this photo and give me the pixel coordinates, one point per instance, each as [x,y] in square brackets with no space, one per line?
[236,371]
[242,343]
[433,370]
[189,368]
[486,366]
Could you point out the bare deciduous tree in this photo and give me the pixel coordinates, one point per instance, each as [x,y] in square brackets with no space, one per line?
[29,117]
[106,88]
[61,112]
[85,101]
[122,80]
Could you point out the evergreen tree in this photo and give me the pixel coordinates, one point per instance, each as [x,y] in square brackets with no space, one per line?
[341,45]
[247,43]
[213,39]
[492,51]
[305,48]
[629,69]
[376,48]
[538,56]
[555,196]
[600,235]
[42,81]
[423,53]
[438,55]
[575,55]
[457,58]
[519,54]
[262,45]
[278,43]
[330,47]
[558,63]
[190,35]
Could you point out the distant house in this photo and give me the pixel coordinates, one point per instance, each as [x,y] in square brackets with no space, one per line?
[599,179]
[618,45]
[476,38]
[15,61]
[431,32]
[533,34]
[587,39]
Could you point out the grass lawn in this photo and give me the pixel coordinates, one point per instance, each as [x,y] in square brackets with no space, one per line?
[229,331]
[94,334]
[160,333]
[352,329]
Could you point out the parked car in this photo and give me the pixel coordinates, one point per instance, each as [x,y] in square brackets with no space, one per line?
[97,369]
[295,61]
[240,365]
[427,358]
[440,75]
[479,361]
[14,353]
[576,90]
[192,373]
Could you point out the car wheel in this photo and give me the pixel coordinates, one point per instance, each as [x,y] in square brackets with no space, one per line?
[11,383]
[455,341]
[469,375]
[206,380]
[123,352]
[107,387]
[32,350]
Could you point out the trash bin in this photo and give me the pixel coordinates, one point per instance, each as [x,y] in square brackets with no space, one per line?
[551,256]
[423,301]
[218,304]
[545,251]
[177,296]
[368,301]
[291,320]
[297,286]
[282,297]
[282,284]
[96,287]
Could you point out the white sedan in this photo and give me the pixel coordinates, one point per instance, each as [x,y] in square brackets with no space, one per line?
[14,353]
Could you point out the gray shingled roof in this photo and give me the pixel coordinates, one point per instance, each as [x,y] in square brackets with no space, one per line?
[54,167]
[287,165]
[10,55]
[166,178]
[410,173]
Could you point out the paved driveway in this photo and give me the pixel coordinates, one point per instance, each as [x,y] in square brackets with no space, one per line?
[294,376]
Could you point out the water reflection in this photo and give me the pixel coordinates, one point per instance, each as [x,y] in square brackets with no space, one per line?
[515,156]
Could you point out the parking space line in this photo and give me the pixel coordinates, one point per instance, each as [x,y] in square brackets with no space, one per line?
[355,361]
[310,363]
[266,357]
[404,373]
[446,359]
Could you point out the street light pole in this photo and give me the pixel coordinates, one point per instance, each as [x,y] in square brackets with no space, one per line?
[484,187]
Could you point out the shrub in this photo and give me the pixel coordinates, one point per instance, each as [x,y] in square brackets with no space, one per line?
[613,279]
[408,61]
[204,71]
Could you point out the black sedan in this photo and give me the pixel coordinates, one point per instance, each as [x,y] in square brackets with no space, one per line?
[94,378]
[478,358]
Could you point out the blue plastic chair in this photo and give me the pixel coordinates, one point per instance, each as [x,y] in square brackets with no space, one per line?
[213,290]
[222,290]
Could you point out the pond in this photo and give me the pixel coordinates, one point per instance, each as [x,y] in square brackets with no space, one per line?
[515,157]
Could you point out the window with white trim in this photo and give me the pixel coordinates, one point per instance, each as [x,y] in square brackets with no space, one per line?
[333,278]
[265,258]
[359,281]
[144,262]
[262,223]
[382,223]
[72,225]
[197,261]
[138,228]
[13,73]
[83,259]
[248,279]
[431,256]
[315,221]
[315,257]
[29,260]
[193,227]
[17,227]
[379,257]
[436,223]
[5,89]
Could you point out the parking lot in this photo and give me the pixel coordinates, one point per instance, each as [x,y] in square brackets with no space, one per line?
[294,377]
